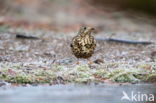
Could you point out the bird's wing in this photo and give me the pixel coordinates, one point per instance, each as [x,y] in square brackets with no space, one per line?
[93,42]
[76,41]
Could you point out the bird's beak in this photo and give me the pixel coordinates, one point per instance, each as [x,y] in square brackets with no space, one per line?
[93,31]
[90,29]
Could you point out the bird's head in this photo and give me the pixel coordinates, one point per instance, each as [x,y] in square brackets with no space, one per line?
[86,30]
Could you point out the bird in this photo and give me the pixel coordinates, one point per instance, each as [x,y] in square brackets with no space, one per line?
[83,44]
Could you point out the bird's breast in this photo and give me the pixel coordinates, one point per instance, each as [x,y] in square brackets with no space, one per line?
[83,46]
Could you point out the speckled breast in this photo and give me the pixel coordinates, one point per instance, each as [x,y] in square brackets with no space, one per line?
[83,46]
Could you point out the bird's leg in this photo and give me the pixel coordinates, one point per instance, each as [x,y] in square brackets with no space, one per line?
[89,61]
[78,61]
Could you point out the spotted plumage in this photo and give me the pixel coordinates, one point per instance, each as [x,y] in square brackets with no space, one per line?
[83,45]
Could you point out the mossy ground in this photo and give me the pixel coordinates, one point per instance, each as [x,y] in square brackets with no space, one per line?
[84,73]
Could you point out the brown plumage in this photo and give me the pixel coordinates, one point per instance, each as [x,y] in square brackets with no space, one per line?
[83,45]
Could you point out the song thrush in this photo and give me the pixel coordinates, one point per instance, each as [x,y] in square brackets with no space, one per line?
[83,45]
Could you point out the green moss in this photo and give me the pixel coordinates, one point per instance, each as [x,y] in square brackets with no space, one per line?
[21,79]
[154,67]
[122,75]
[102,73]
[23,76]
[151,78]
[78,74]
[82,68]
[83,74]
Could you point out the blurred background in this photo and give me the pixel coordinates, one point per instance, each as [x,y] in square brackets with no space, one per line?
[68,15]
[147,6]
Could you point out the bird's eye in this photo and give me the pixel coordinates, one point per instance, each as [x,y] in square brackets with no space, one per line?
[85,28]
